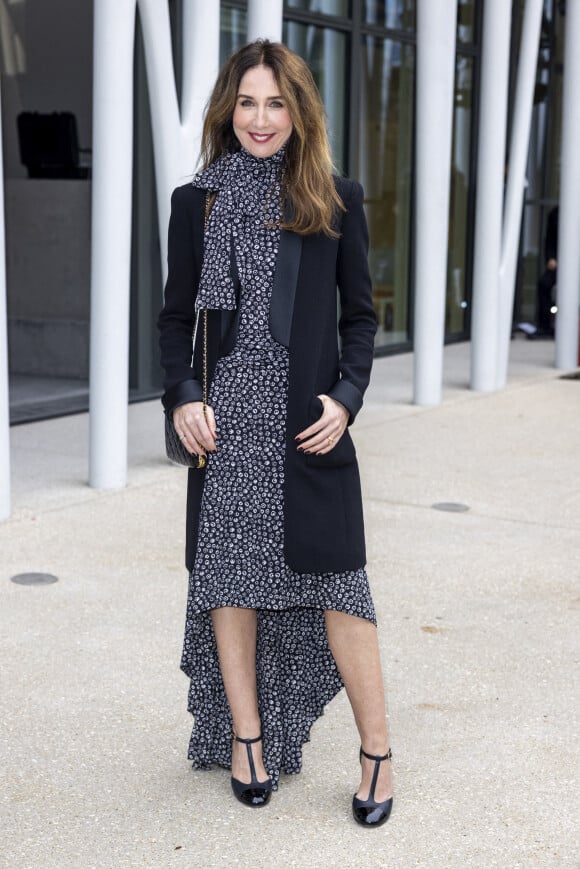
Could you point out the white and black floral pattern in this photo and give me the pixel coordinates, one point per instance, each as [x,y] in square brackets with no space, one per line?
[240,558]
[234,207]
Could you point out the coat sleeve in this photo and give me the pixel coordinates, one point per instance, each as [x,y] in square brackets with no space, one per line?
[177,318]
[358,321]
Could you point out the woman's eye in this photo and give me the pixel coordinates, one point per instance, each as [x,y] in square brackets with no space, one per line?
[277,104]
[246,103]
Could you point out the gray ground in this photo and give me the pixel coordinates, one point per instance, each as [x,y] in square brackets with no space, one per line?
[478,627]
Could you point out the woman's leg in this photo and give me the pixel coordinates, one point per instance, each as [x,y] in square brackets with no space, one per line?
[235,633]
[354,645]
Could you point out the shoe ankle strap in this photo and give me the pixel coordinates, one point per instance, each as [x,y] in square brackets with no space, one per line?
[378,757]
[246,741]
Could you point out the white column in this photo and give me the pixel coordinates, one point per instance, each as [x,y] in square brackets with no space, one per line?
[514,197]
[176,136]
[569,216]
[436,23]
[201,58]
[114,26]
[490,184]
[166,127]
[177,131]
[4,405]
[265,20]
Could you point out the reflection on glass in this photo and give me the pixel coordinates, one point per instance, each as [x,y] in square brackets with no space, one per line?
[324,50]
[327,7]
[385,165]
[457,279]
[396,14]
[466,20]
[12,50]
[233,26]
[543,169]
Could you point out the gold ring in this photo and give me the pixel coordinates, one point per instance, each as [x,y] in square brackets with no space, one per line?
[330,440]
[182,437]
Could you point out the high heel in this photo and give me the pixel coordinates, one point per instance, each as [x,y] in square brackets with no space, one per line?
[252,793]
[369,812]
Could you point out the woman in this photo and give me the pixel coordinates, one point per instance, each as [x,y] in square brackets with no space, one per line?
[279,611]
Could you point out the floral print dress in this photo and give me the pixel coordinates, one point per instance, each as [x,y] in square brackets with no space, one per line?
[240,560]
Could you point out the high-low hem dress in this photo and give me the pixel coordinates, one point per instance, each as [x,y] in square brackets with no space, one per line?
[240,559]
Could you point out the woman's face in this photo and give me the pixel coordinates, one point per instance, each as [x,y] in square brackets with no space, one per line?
[261,120]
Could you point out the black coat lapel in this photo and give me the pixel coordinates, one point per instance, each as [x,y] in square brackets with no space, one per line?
[284,288]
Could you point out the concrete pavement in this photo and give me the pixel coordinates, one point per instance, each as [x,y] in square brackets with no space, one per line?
[478,623]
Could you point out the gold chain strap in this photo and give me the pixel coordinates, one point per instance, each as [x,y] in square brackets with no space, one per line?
[208,203]
[201,460]
[204,383]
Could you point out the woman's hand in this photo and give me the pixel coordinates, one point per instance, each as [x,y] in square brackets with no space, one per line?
[196,430]
[322,436]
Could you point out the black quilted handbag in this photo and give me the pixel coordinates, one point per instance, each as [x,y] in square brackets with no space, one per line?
[174,447]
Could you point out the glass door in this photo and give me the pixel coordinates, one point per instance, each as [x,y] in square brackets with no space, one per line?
[46,68]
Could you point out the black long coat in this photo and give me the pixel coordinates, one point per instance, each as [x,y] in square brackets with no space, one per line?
[323,518]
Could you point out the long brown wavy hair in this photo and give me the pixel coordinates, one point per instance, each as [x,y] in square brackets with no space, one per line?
[308,182]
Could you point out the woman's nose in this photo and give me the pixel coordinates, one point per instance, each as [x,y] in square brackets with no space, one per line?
[261,116]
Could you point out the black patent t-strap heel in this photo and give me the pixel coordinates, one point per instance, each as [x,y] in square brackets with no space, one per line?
[370,813]
[254,793]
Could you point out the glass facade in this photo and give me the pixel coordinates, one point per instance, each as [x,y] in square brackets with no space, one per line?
[362,54]
[467,20]
[325,50]
[543,171]
[326,7]
[46,68]
[385,154]
[461,187]
[394,14]
[233,26]
[145,376]
[371,124]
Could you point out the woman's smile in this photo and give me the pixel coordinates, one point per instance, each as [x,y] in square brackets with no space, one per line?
[261,137]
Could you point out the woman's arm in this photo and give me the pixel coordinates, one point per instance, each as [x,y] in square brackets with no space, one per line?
[358,321]
[357,327]
[176,320]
